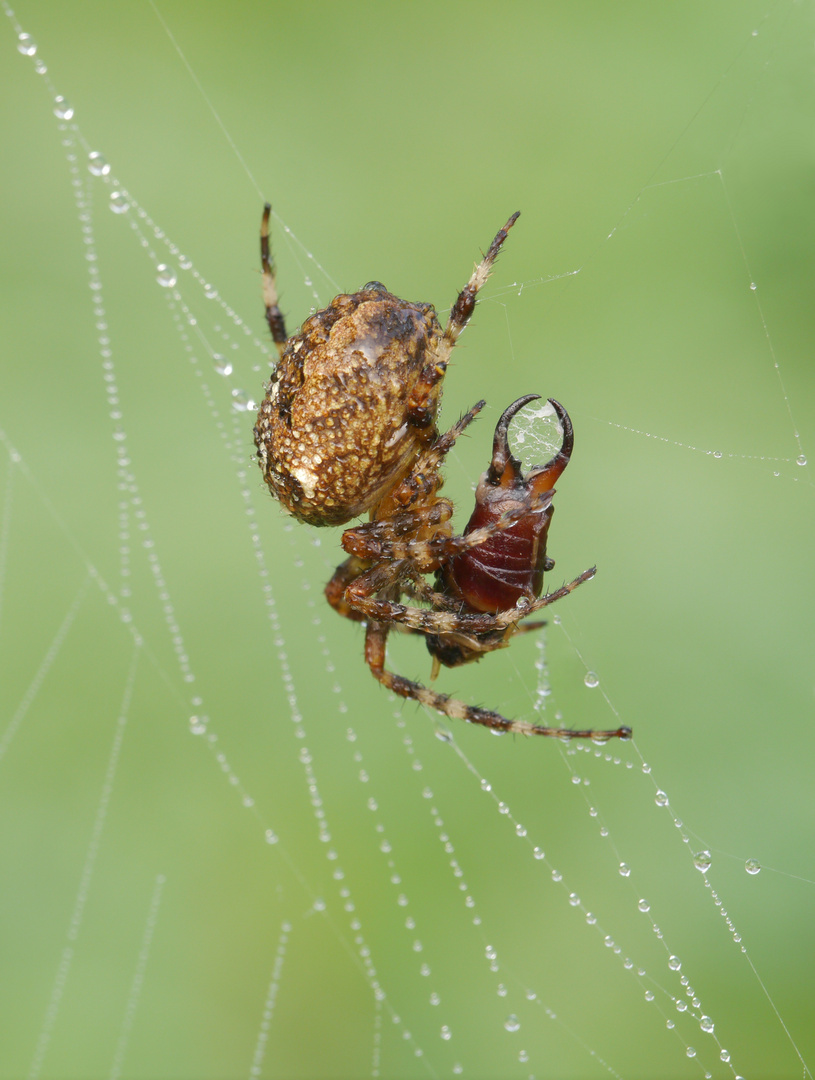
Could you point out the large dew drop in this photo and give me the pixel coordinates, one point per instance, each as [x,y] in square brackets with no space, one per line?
[166,276]
[97,166]
[26,45]
[702,860]
[62,110]
[119,203]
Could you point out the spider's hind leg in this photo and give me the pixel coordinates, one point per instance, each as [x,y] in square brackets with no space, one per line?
[376,637]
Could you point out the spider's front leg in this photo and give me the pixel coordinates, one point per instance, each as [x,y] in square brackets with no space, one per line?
[274,316]
[420,405]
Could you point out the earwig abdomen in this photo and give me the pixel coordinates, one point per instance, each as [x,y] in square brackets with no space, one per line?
[510,564]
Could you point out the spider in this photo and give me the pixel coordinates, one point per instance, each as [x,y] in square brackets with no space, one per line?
[348,427]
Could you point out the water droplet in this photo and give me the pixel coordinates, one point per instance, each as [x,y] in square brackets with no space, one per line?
[512,1023]
[97,165]
[445,1031]
[523,1056]
[490,952]
[706,1024]
[443,735]
[674,963]
[590,918]
[319,904]
[198,725]
[435,999]
[753,286]
[681,1006]
[539,853]
[241,402]
[62,110]
[690,1052]
[221,364]
[752,866]
[801,459]
[649,995]
[643,905]
[661,799]
[591,679]
[625,869]
[574,899]
[717,454]
[724,1055]
[166,276]
[26,45]
[702,861]
[118,202]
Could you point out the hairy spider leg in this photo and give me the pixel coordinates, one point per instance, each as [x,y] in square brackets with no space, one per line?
[359,596]
[460,313]
[420,484]
[383,539]
[274,316]
[376,637]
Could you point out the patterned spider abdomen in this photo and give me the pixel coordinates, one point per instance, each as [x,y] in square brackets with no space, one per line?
[350,405]
[510,564]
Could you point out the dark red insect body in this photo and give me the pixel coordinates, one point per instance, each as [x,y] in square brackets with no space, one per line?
[496,574]
[510,564]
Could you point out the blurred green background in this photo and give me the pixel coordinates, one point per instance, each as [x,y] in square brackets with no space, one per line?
[665,153]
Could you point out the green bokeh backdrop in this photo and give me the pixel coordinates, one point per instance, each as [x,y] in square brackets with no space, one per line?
[663,151]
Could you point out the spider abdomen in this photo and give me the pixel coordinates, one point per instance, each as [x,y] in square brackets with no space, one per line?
[337,429]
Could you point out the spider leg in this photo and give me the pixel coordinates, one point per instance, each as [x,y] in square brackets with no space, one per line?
[359,596]
[465,302]
[392,537]
[342,577]
[274,316]
[424,479]
[460,313]
[378,539]
[376,637]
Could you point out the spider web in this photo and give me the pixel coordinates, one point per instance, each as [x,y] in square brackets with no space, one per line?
[227,851]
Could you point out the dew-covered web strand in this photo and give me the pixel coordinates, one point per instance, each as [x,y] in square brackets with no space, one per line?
[518,990]
[264,1028]
[5,532]
[593,920]
[701,860]
[88,867]
[51,653]
[137,982]
[781,13]
[232,435]
[121,203]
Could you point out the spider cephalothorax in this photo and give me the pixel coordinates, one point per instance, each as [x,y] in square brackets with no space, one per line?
[348,427]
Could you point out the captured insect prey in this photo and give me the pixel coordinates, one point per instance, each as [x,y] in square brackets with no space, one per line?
[348,427]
